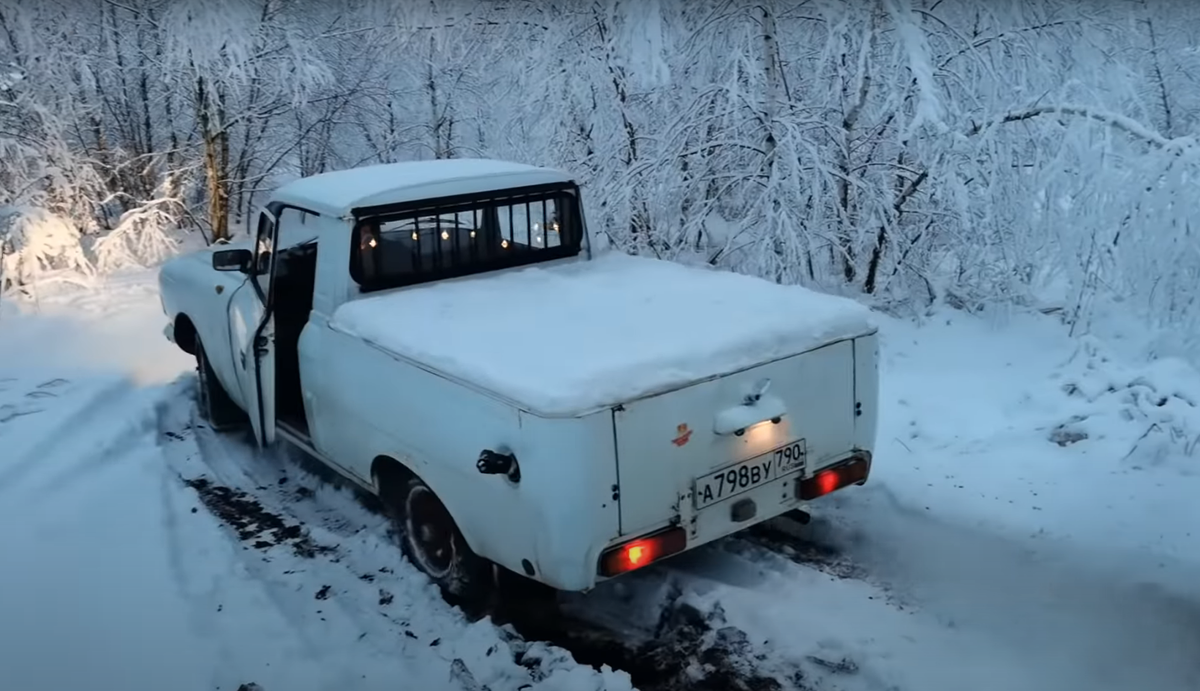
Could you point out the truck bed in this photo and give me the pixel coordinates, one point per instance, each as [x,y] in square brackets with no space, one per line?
[573,338]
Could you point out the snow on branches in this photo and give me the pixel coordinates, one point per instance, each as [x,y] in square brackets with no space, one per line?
[907,151]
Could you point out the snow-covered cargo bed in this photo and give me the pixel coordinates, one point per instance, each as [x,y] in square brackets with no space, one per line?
[576,337]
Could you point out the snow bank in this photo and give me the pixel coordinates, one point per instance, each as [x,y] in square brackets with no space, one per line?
[116,327]
[580,336]
[1021,428]
[1150,414]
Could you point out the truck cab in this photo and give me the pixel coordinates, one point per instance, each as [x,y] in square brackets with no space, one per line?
[442,334]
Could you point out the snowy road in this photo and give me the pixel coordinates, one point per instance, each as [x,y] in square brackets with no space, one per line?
[985,554]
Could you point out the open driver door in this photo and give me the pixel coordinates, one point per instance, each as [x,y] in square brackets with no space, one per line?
[252,332]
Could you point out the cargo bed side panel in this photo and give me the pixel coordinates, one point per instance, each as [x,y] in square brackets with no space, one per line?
[667,441]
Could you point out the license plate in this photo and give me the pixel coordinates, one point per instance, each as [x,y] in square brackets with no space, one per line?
[731,481]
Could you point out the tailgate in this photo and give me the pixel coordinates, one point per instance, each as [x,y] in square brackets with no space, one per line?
[673,443]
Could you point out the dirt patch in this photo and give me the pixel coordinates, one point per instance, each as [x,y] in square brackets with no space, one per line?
[690,650]
[253,523]
[818,554]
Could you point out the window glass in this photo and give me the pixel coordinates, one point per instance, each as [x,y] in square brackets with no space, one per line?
[457,240]
[295,227]
[533,224]
[263,250]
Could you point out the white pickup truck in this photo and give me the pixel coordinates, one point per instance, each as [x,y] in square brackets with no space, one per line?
[443,334]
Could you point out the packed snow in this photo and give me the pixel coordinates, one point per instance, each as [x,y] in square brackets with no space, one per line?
[578,336]
[114,562]
[1029,524]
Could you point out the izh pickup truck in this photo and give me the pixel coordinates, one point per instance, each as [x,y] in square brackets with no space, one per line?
[443,334]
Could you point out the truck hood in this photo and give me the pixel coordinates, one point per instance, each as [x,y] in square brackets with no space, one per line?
[576,337]
[196,266]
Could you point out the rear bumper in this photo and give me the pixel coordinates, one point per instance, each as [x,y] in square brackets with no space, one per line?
[694,529]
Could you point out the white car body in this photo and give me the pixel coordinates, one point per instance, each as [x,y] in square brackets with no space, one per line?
[727,379]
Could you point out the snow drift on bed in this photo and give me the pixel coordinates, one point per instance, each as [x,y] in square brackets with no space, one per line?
[575,337]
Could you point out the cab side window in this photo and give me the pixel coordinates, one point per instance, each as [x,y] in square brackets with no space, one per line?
[295,227]
[264,250]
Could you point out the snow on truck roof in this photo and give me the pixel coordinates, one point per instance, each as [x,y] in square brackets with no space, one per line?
[338,192]
[577,337]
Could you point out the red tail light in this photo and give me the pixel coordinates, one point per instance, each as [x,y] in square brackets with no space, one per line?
[849,472]
[642,551]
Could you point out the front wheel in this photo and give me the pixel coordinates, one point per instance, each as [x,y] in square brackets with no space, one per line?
[433,543]
[216,407]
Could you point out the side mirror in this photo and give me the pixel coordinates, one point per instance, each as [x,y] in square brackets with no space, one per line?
[233,260]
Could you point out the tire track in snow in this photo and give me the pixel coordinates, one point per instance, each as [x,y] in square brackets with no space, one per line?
[239,466]
[314,594]
[78,432]
[139,406]
[184,456]
[202,615]
[194,578]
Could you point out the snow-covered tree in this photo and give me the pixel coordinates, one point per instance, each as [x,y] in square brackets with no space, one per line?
[908,151]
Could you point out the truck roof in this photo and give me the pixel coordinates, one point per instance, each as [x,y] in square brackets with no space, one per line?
[339,192]
[575,337]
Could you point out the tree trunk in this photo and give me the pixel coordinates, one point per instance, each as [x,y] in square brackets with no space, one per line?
[216,161]
[770,115]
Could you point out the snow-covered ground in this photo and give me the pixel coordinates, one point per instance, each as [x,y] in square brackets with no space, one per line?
[1031,524]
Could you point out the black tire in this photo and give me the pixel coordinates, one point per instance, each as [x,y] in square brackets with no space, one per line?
[216,407]
[432,542]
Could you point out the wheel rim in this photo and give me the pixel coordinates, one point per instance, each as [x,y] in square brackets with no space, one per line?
[429,531]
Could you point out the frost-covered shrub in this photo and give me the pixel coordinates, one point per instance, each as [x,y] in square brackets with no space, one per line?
[1147,414]
[35,242]
[142,236]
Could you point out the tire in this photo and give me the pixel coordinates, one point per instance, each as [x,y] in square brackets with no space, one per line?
[214,403]
[432,542]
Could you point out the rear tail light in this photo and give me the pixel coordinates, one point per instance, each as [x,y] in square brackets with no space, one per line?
[642,551]
[852,471]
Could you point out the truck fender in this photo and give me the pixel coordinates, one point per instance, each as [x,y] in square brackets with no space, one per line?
[183,333]
[392,471]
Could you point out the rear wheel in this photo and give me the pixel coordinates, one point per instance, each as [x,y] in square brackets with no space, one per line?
[216,407]
[433,543]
